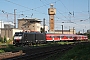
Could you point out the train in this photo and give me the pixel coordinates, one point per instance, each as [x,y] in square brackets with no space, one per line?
[28,38]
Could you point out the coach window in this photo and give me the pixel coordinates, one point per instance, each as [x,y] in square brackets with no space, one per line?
[28,26]
[69,36]
[62,36]
[25,26]
[79,37]
[66,36]
[55,36]
[51,36]
[58,36]
[48,36]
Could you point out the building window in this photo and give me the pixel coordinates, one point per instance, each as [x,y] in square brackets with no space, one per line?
[51,11]
[51,19]
[25,20]
[37,26]
[25,26]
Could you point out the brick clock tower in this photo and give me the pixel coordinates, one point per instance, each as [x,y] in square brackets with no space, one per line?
[51,13]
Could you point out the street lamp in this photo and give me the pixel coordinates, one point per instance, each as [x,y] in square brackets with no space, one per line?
[15,18]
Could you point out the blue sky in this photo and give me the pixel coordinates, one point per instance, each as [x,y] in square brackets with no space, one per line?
[39,8]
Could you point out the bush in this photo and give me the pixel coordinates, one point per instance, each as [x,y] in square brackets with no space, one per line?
[2,51]
[5,40]
[1,39]
[9,41]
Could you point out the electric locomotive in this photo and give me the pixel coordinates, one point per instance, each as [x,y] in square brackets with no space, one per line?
[26,38]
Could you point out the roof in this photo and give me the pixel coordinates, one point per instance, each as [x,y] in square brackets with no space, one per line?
[31,19]
[61,30]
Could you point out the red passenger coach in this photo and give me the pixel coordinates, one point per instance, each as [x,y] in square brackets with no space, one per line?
[84,37]
[80,37]
[52,37]
[66,37]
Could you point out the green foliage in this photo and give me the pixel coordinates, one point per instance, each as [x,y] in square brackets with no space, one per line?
[9,41]
[11,48]
[79,52]
[88,36]
[1,39]
[5,39]
[2,51]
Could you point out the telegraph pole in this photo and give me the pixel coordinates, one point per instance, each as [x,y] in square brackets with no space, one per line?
[44,25]
[15,18]
[73,30]
[88,10]
[62,29]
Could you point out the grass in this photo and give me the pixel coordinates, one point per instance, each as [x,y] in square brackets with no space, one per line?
[79,52]
[10,48]
[13,48]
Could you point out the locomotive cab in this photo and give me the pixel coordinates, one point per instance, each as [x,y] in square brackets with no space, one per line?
[18,36]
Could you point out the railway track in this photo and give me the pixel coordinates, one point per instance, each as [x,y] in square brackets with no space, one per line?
[44,52]
[41,53]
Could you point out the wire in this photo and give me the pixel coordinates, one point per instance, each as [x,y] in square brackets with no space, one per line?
[57,9]
[63,5]
[24,6]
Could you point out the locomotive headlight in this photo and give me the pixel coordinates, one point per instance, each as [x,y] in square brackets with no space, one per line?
[20,37]
[15,37]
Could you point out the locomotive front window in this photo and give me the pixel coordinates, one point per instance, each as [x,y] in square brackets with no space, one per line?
[18,34]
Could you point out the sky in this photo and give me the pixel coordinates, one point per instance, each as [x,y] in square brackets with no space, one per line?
[74,13]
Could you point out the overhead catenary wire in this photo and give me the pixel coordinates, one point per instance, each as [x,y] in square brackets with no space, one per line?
[58,10]
[45,5]
[25,7]
[34,8]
